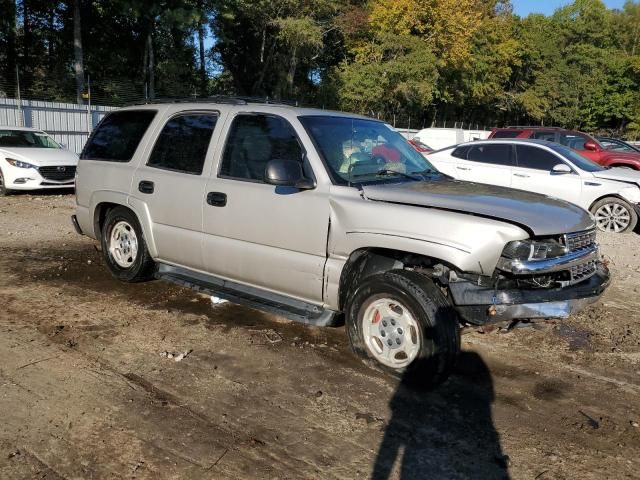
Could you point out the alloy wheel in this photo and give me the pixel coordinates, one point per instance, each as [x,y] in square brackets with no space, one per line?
[613,217]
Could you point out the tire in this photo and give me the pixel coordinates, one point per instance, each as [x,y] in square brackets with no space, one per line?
[124,248]
[436,327]
[4,191]
[614,215]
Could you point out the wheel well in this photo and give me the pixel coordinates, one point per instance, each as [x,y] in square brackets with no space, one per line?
[606,196]
[100,213]
[364,262]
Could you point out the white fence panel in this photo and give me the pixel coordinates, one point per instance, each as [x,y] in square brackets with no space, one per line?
[67,123]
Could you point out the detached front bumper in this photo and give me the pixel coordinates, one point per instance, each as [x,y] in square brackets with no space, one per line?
[481,305]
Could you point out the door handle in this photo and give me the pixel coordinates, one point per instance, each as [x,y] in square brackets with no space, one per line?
[521,175]
[145,186]
[217,199]
[463,168]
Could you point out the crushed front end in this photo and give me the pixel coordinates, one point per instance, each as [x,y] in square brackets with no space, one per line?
[550,277]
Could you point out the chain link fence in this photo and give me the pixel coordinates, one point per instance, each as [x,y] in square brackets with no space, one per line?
[53,105]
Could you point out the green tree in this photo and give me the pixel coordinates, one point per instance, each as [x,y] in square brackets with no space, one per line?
[392,74]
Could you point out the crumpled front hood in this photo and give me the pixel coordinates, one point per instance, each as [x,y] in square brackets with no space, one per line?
[540,214]
[619,174]
[41,157]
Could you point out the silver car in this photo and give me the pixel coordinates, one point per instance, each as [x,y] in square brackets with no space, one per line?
[328,217]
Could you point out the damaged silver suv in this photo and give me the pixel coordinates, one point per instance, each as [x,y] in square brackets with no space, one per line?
[327,217]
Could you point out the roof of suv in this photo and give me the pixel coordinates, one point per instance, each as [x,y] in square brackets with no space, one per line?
[264,105]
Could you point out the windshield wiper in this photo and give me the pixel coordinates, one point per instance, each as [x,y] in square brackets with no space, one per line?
[387,171]
[426,171]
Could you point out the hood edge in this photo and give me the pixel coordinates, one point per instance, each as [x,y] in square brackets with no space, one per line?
[524,227]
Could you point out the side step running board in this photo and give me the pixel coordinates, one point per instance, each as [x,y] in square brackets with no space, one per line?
[250,296]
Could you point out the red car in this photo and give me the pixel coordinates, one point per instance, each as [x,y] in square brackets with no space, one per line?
[390,154]
[582,143]
[419,146]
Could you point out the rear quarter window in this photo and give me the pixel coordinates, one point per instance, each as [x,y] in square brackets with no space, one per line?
[117,137]
[461,152]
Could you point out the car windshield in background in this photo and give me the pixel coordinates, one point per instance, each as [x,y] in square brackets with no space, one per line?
[363,151]
[617,145]
[578,160]
[26,139]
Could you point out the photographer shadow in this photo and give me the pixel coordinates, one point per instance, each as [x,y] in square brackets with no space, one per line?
[445,433]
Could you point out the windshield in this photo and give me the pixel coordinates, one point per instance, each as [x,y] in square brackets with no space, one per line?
[358,150]
[583,163]
[26,139]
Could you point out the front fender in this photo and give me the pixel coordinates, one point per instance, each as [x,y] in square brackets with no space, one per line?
[469,243]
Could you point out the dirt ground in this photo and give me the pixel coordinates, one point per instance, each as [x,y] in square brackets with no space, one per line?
[86,393]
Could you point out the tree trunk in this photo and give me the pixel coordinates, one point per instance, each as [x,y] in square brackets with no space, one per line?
[203,67]
[151,67]
[264,41]
[78,64]
[27,41]
[292,71]
[11,39]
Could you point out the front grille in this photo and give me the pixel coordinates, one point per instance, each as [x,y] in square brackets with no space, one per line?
[58,173]
[582,272]
[580,240]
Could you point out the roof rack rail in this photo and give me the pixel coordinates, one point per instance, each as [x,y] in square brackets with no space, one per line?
[229,99]
[535,126]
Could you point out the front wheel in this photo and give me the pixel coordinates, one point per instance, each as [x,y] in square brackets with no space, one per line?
[3,187]
[401,322]
[614,215]
[124,248]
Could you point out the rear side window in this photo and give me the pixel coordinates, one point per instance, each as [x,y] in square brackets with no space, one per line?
[573,141]
[536,158]
[183,143]
[548,136]
[496,154]
[253,141]
[506,133]
[117,137]
[461,152]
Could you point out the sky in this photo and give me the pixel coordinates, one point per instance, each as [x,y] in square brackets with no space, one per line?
[525,7]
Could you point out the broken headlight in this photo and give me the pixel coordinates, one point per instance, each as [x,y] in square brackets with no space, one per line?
[534,249]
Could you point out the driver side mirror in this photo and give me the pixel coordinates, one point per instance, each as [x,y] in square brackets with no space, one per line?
[561,169]
[591,146]
[287,173]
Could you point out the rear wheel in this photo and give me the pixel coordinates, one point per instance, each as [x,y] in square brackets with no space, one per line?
[402,323]
[124,248]
[614,215]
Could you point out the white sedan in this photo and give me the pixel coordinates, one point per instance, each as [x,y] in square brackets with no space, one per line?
[612,195]
[30,159]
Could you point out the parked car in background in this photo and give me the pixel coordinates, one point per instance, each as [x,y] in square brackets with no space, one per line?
[290,210]
[617,145]
[581,142]
[439,138]
[30,159]
[419,146]
[611,195]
